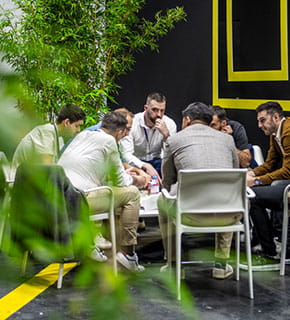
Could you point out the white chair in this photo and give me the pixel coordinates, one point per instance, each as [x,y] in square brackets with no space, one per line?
[286,212]
[107,215]
[209,191]
[258,155]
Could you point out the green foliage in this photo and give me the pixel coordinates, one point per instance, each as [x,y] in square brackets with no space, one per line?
[73,51]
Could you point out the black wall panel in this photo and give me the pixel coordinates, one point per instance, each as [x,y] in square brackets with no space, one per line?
[182,69]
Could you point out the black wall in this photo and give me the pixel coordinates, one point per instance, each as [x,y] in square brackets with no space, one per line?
[182,69]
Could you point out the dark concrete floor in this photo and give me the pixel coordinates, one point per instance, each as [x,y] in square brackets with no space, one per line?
[152,297]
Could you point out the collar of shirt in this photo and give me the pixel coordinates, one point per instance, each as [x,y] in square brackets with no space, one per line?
[142,121]
[277,136]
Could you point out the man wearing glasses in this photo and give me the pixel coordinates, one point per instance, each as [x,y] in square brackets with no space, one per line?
[269,179]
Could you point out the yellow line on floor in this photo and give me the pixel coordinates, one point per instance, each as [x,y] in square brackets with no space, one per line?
[27,291]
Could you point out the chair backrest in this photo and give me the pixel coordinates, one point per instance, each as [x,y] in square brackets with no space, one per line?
[258,155]
[44,207]
[212,191]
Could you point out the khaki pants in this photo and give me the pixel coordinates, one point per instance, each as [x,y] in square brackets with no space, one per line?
[223,240]
[127,205]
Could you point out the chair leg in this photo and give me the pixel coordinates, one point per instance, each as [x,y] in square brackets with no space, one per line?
[284,239]
[178,264]
[249,260]
[169,246]
[114,246]
[238,255]
[60,276]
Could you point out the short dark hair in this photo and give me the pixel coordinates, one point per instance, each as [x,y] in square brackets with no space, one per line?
[72,112]
[157,96]
[114,121]
[219,112]
[198,111]
[271,107]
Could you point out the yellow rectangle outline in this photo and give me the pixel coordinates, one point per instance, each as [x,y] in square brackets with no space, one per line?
[263,75]
[225,102]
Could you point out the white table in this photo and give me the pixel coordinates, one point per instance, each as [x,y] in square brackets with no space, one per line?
[148,205]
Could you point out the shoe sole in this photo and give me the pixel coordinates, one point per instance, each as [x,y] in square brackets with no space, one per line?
[222,277]
[123,261]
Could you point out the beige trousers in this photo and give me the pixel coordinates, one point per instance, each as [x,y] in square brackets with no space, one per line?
[127,205]
[223,240]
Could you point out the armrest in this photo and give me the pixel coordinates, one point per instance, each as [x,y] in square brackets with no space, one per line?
[250,193]
[97,188]
[166,194]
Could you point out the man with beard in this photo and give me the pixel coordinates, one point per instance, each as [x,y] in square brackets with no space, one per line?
[142,148]
[42,145]
[221,122]
[269,179]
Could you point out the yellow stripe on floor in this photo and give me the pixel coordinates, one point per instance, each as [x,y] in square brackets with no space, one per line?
[26,292]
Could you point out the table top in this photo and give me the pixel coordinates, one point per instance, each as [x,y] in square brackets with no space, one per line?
[148,205]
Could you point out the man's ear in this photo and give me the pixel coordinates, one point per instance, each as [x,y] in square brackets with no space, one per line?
[66,122]
[223,123]
[145,107]
[186,122]
[276,117]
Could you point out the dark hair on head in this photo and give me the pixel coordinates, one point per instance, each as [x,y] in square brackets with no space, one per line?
[114,121]
[157,96]
[72,112]
[271,107]
[198,111]
[219,112]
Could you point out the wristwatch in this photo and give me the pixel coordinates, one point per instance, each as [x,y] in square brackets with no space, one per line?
[257,182]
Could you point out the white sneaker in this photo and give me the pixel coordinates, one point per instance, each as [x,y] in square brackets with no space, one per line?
[222,272]
[98,255]
[129,262]
[256,248]
[102,243]
[164,268]
[278,245]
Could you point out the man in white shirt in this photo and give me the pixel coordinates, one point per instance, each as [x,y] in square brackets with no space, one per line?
[92,159]
[42,144]
[142,147]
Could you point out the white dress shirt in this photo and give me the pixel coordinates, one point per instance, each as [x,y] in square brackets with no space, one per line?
[92,159]
[144,143]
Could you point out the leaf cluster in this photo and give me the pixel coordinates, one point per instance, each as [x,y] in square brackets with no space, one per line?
[74,51]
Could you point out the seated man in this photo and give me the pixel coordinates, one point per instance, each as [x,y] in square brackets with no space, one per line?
[129,116]
[42,145]
[92,159]
[270,179]
[150,129]
[222,123]
[100,241]
[198,146]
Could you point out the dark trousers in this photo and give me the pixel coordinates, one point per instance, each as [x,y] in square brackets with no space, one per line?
[265,226]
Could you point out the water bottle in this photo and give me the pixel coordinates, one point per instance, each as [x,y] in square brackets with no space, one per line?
[153,187]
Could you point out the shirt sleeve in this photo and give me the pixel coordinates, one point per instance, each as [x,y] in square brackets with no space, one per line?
[116,174]
[169,172]
[240,136]
[127,151]
[267,172]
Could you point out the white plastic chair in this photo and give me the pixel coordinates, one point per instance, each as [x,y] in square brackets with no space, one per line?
[258,155]
[286,198]
[209,191]
[107,216]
